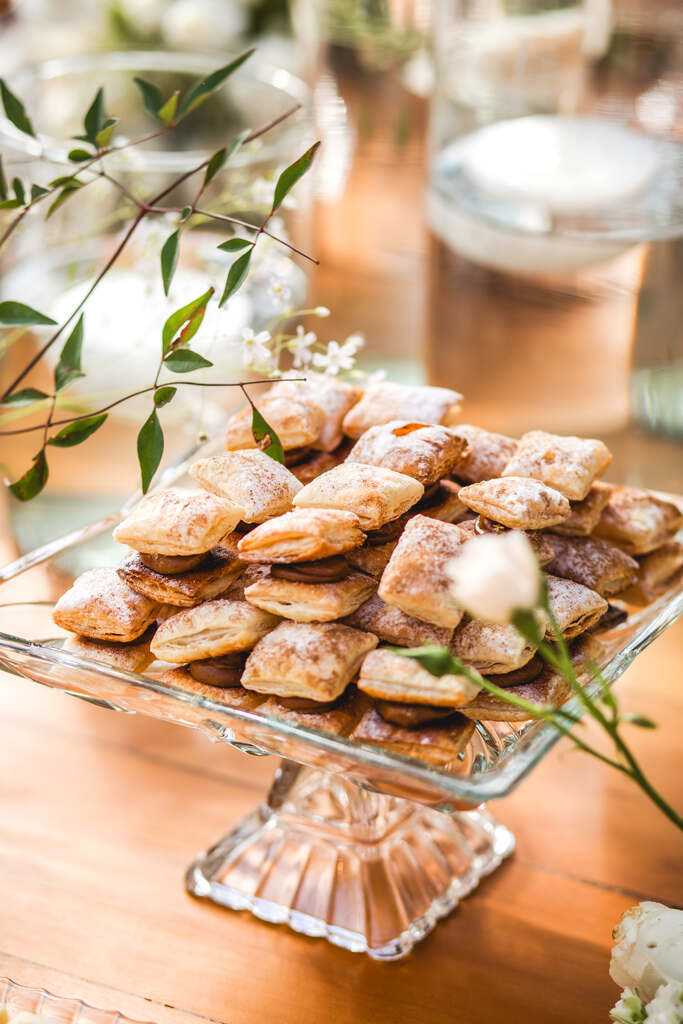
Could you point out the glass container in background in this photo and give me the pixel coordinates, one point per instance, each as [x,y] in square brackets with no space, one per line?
[50,264]
[555,206]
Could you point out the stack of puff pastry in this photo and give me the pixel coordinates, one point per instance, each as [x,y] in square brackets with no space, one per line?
[281,587]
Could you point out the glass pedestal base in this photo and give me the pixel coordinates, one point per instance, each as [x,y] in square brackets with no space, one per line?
[368,872]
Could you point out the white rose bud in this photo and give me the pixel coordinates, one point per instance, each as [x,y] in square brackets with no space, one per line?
[495,576]
[649,949]
[667,1005]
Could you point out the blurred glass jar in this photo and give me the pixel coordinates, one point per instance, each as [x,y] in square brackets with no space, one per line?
[51,263]
[555,204]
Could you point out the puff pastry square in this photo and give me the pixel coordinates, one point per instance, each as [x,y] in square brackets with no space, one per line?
[576,608]
[304,535]
[297,422]
[372,560]
[520,503]
[415,579]
[251,479]
[340,719]
[585,515]
[443,503]
[216,574]
[176,522]
[549,689]
[100,605]
[211,629]
[491,650]
[299,659]
[439,744]
[639,522]
[568,464]
[426,452]
[657,572]
[595,563]
[130,657]
[235,697]
[375,494]
[485,456]
[393,626]
[410,715]
[390,676]
[311,602]
[335,398]
[384,402]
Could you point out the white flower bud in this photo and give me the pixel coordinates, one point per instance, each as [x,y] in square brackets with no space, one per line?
[494,576]
[321,311]
[649,949]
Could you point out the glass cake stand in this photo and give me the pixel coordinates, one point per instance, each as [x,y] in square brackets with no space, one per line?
[18,999]
[359,845]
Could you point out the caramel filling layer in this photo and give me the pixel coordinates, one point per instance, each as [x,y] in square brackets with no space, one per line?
[388,532]
[407,715]
[306,704]
[225,671]
[296,455]
[327,570]
[525,674]
[170,565]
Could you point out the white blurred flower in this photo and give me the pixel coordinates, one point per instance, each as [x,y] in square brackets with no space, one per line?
[143,15]
[300,346]
[667,1005]
[629,1009]
[321,311]
[255,351]
[282,294]
[495,576]
[649,948]
[337,358]
[205,24]
[354,342]
[376,376]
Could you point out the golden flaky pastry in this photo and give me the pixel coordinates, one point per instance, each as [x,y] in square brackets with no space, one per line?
[442,502]
[410,715]
[335,398]
[297,422]
[439,744]
[316,463]
[657,572]
[585,515]
[235,697]
[100,605]
[215,575]
[375,494]
[517,502]
[569,464]
[548,690]
[339,719]
[131,657]
[594,562]
[371,559]
[426,452]
[639,522]
[177,522]
[300,659]
[385,401]
[211,629]
[576,608]
[491,650]
[303,535]
[415,579]
[311,602]
[390,676]
[261,486]
[485,456]
[393,626]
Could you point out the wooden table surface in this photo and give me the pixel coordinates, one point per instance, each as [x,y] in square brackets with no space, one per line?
[101,813]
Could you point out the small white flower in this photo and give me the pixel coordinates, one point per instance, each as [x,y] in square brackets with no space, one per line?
[376,376]
[255,351]
[649,948]
[282,294]
[335,359]
[301,347]
[667,1005]
[495,576]
[629,1009]
[354,342]
[321,311]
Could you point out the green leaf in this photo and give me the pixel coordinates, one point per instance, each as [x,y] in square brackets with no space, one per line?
[33,480]
[19,192]
[212,82]
[215,165]
[77,156]
[183,360]
[9,204]
[151,96]
[37,191]
[635,718]
[150,449]
[233,244]
[185,212]
[64,179]
[169,259]
[167,112]
[78,431]
[103,137]
[3,181]
[14,109]
[291,175]
[526,623]
[26,396]
[432,657]
[16,314]
[162,396]
[65,194]
[96,117]
[236,275]
[68,368]
[192,314]
[265,437]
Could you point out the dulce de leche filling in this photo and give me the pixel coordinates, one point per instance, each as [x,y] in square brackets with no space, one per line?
[224,671]
[297,455]
[326,570]
[306,704]
[170,565]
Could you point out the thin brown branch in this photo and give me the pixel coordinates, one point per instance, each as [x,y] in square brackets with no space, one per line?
[255,227]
